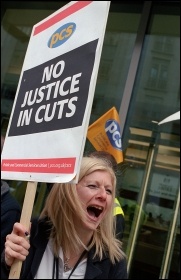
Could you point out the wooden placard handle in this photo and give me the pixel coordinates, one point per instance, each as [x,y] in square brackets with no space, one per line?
[25,221]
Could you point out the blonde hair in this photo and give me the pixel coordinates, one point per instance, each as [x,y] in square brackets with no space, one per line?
[63,202]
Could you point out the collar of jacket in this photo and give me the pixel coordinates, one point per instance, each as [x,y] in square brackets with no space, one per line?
[94,269]
[40,232]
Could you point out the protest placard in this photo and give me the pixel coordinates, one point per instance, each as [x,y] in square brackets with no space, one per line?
[48,124]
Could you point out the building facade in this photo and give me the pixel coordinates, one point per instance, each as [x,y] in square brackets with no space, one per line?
[139,74]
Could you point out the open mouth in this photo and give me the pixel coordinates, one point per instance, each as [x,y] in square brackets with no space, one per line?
[94,211]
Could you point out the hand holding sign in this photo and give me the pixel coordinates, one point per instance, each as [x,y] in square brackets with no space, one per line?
[25,221]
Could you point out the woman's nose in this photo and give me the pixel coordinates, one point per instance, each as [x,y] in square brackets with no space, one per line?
[102,193]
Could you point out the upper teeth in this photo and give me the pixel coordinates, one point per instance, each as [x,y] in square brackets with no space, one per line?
[98,207]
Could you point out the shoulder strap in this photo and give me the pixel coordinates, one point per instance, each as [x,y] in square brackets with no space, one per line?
[77,263]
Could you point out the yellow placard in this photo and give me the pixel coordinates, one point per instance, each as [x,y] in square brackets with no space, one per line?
[105,134]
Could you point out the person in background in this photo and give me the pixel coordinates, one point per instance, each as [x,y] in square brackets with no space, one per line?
[118,211]
[10,209]
[74,236]
[120,221]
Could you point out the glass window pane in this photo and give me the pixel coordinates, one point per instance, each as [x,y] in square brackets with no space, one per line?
[152,152]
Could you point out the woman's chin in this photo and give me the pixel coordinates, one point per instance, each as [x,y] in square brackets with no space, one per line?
[91,224]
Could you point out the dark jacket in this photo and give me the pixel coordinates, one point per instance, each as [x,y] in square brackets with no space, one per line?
[96,269]
[10,212]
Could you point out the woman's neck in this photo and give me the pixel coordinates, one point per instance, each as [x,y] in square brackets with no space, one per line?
[84,235]
[85,239]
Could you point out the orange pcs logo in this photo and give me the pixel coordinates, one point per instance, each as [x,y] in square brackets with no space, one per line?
[61,35]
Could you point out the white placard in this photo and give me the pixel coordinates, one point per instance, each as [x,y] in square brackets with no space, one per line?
[48,124]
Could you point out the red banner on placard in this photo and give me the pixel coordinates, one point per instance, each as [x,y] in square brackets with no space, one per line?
[57,165]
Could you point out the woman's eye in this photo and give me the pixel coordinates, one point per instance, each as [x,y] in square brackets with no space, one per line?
[109,191]
[92,186]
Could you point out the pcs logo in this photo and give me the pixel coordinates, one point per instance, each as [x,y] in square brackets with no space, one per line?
[61,35]
[112,130]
